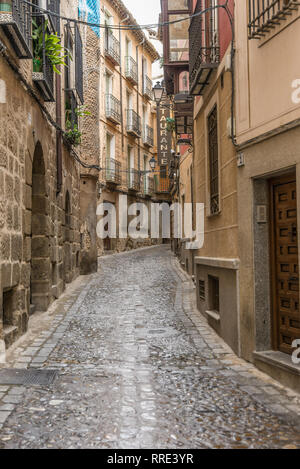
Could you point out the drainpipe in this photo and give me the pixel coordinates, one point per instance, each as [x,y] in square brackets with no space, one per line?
[121,84]
[138,100]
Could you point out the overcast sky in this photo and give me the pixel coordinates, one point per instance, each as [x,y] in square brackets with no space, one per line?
[146,12]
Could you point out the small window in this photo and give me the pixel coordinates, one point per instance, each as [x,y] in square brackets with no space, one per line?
[202,290]
[214,293]
[213,156]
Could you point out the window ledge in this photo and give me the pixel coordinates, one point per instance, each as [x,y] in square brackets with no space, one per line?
[213,315]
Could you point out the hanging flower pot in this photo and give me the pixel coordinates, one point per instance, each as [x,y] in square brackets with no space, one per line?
[5,7]
[37,64]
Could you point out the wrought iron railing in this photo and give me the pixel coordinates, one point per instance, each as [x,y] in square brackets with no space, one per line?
[134,180]
[131,71]
[133,123]
[148,136]
[264,15]
[147,87]
[112,46]
[113,171]
[113,108]
[54,6]
[162,185]
[148,188]
[43,74]
[204,48]
[15,19]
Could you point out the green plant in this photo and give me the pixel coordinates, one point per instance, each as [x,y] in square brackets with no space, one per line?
[73,134]
[170,124]
[53,48]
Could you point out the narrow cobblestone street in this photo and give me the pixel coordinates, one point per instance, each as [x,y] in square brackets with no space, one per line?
[139,368]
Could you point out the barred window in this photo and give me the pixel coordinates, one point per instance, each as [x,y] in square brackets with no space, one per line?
[213,161]
[264,15]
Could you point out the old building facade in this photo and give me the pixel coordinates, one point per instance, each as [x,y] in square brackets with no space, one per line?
[40,202]
[128,123]
[267,117]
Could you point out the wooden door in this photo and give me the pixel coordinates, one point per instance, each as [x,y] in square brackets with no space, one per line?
[286,314]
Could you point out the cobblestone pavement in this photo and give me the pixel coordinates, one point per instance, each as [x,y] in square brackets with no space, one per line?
[138,367]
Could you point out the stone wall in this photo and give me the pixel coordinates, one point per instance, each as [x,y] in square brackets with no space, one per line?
[39,227]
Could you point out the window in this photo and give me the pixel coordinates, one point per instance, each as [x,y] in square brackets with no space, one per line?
[213,155]
[202,290]
[214,293]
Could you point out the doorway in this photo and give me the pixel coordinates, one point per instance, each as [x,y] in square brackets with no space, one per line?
[285,264]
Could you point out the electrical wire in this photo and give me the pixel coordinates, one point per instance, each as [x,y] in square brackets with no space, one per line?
[132,27]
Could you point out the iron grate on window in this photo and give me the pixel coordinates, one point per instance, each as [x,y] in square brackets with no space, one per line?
[214,161]
[264,15]
[202,290]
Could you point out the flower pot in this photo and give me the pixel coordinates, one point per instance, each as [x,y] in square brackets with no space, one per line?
[5,7]
[37,65]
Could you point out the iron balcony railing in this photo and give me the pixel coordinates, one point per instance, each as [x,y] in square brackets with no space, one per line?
[162,185]
[204,48]
[43,75]
[148,188]
[264,15]
[131,71]
[112,47]
[54,7]
[113,109]
[147,87]
[133,123]
[148,136]
[15,20]
[134,180]
[113,171]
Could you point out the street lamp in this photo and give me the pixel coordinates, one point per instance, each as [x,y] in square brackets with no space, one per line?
[152,163]
[158,92]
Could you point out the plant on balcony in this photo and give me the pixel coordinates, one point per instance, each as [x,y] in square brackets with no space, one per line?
[73,134]
[170,124]
[53,48]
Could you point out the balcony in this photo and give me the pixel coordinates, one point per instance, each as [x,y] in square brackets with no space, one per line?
[184,114]
[112,48]
[148,138]
[162,185]
[148,189]
[113,171]
[265,15]
[147,87]
[134,180]
[15,20]
[204,50]
[113,109]
[131,71]
[133,123]
[43,75]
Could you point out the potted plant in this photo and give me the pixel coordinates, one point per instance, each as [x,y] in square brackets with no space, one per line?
[73,134]
[53,48]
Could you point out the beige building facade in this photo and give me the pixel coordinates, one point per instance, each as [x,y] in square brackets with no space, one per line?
[128,124]
[268,137]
